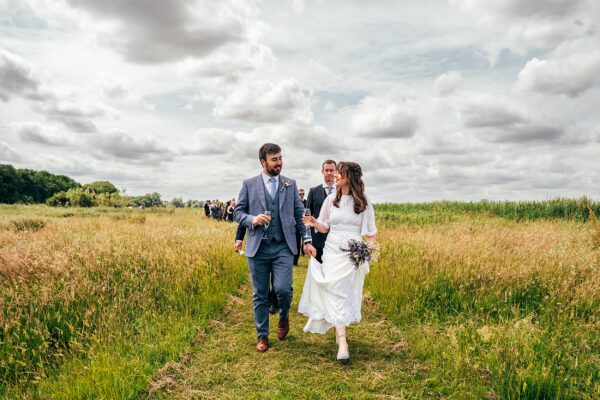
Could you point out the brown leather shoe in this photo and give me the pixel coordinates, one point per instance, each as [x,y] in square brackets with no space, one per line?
[262,344]
[283,327]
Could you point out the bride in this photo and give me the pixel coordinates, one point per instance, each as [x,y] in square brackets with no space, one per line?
[332,291]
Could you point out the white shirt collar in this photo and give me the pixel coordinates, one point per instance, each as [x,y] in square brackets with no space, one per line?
[267,177]
[325,186]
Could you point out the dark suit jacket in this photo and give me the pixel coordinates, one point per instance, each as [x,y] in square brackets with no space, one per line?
[314,201]
[240,233]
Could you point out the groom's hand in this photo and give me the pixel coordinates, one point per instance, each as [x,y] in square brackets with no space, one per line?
[310,250]
[260,219]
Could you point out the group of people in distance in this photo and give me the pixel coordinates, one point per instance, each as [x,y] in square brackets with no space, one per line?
[272,215]
[218,210]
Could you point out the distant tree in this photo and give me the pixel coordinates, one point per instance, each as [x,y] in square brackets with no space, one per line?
[9,184]
[29,186]
[58,199]
[177,202]
[80,198]
[102,187]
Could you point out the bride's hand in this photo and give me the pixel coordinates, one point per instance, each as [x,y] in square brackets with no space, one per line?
[309,220]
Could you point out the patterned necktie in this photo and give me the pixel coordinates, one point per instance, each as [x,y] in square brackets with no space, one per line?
[272,187]
[329,190]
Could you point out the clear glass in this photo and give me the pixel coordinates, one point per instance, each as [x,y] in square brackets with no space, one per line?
[268,214]
[307,234]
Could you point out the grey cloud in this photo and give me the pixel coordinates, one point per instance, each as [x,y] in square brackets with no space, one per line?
[34,132]
[16,77]
[541,8]
[465,160]
[161,31]
[451,144]
[478,115]
[7,153]
[522,133]
[130,149]
[74,116]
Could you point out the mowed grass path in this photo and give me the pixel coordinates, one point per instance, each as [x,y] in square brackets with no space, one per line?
[223,364]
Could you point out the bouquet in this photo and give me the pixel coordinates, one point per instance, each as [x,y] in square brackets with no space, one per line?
[360,252]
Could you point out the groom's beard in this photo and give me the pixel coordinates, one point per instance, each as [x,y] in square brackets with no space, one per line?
[274,171]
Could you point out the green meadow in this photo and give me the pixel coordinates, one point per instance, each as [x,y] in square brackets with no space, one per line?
[496,300]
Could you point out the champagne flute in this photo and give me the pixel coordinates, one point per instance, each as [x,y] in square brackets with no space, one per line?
[268,214]
[307,234]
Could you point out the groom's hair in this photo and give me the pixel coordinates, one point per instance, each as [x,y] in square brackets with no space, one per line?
[268,148]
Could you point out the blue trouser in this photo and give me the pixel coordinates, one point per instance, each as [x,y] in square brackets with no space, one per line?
[271,258]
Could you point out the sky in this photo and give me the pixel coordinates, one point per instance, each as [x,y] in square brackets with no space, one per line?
[435,99]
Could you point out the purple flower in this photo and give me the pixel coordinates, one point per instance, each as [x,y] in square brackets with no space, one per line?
[360,252]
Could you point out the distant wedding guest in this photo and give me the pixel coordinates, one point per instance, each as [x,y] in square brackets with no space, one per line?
[223,210]
[316,197]
[230,209]
[301,193]
[207,208]
[215,211]
[332,293]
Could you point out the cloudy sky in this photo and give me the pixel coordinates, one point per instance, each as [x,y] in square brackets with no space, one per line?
[436,99]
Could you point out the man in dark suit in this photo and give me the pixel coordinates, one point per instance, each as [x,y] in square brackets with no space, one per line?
[298,241]
[316,197]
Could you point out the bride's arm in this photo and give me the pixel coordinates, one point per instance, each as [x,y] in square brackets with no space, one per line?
[313,223]
[371,240]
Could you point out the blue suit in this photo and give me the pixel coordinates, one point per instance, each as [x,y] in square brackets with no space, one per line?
[270,251]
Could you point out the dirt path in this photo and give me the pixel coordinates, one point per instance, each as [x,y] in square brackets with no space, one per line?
[223,364]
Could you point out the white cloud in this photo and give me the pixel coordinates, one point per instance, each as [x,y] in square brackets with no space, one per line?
[448,83]
[573,68]
[380,118]
[265,102]
[186,92]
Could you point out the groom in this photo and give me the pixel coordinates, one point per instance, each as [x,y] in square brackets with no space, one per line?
[271,241]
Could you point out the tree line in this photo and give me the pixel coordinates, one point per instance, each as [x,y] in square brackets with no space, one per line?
[27,186]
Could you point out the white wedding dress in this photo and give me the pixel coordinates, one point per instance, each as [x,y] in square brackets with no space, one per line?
[332,291]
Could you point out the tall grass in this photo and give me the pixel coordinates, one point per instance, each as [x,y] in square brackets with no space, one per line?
[442,211]
[494,307]
[91,307]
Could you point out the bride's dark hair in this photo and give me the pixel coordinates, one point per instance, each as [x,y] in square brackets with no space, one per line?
[353,172]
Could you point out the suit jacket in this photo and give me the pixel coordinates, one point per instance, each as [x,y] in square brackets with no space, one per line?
[240,232]
[315,199]
[252,201]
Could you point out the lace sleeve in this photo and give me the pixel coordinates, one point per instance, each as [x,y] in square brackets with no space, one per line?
[368,227]
[324,213]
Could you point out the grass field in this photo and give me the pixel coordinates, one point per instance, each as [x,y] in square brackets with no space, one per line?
[475,303]
[94,301]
